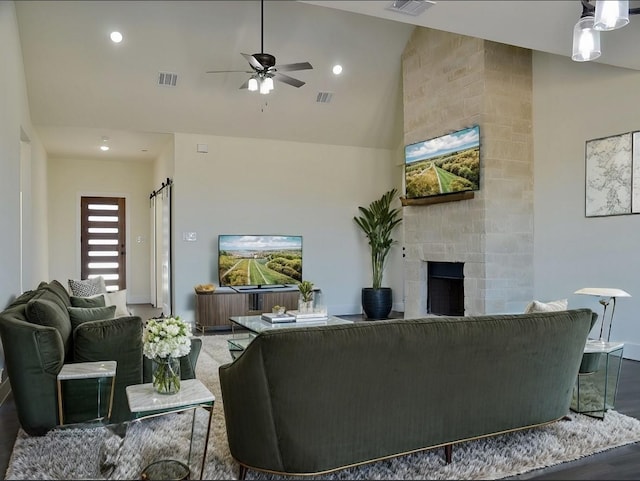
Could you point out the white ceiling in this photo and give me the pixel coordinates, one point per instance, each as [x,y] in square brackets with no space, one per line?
[82,87]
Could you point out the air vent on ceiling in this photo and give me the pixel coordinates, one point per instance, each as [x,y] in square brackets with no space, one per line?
[324,97]
[167,79]
[410,7]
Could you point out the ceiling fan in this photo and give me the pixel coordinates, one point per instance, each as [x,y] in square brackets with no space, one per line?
[264,67]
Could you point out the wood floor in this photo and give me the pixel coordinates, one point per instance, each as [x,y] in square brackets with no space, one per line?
[616,464]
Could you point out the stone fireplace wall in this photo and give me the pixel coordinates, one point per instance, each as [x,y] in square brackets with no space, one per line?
[451,82]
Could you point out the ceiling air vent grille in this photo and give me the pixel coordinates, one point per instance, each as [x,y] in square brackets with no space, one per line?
[410,7]
[324,97]
[167,79]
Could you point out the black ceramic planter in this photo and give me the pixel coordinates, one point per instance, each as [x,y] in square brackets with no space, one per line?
[377,303]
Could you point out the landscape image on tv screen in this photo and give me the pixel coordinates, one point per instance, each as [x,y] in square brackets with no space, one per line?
[443,165]
[259,260]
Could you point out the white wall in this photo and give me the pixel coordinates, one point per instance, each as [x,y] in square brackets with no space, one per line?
[69,180]
[15,127]
[252,186]
[575,102]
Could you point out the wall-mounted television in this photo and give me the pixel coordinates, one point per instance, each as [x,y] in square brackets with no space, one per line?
[443,165]
[256,261]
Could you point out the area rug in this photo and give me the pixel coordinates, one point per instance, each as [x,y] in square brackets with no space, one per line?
[109,453]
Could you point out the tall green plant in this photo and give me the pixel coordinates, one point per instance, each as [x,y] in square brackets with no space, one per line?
[377,221]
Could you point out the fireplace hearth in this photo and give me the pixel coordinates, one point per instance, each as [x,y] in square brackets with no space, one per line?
[445,288]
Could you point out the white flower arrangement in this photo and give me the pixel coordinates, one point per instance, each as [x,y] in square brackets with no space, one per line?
[166,337]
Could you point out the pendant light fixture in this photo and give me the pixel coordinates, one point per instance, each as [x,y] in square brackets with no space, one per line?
[605,15]
[611,15]
[586,39]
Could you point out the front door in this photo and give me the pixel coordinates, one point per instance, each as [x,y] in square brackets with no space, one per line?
[102,240]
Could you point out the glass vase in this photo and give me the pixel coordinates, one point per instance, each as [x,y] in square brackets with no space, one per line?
[305,307]
[166,375]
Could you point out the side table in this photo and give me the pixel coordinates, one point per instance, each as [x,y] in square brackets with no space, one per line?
[597,384]
[87,370]
[145,402]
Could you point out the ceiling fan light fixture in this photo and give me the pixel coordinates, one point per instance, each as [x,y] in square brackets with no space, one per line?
[586,40]
[253,84]
[264,87]
[611,14]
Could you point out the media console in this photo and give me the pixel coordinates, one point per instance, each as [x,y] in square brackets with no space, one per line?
[213,310]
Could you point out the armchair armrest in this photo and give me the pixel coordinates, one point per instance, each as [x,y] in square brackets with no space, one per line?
[34,355]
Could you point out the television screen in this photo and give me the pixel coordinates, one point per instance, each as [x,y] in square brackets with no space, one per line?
[259,260]
[443,165]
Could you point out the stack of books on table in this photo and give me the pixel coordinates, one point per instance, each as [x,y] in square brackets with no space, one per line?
[308,316]
[276,318]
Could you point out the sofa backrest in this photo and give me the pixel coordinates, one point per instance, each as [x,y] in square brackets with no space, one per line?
[317,398]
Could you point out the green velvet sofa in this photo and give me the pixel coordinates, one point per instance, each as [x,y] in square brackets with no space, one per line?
[39,336]
[311,400]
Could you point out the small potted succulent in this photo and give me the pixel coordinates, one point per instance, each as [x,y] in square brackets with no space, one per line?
[305,304]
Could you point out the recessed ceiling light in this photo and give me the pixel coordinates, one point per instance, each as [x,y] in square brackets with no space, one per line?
[337,69]
[116,37]
[104,147]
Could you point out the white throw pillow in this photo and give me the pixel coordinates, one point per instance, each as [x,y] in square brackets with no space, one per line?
[118,299]
[537,306]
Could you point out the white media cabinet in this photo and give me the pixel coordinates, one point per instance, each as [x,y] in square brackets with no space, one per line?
[214,310]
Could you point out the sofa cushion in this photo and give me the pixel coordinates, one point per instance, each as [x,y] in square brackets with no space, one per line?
[93,301]
[46,312]
[59,290]
[537,306]
[117,340]
[87,287]
[79,315]
[119,300]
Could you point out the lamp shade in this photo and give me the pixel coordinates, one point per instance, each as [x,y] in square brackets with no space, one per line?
[611,15]
[253,84]
[264,87]
[586,40]
[603,292]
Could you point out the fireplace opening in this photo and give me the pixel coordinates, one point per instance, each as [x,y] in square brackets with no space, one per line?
[445,288]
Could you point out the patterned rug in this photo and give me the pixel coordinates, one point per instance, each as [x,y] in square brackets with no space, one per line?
[105,453]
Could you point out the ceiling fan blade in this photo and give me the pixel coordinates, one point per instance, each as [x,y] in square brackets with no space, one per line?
[245,85]
[229,71]
[253,61]
[290,67]
[288,80]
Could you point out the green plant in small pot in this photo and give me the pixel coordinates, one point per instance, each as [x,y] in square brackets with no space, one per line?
[305,304]
[377,221]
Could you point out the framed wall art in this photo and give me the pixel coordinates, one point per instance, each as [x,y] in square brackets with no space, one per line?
[609,175]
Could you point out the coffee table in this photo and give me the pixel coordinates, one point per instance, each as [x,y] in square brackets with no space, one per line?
[255,325]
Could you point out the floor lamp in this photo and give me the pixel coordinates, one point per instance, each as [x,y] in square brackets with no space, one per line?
[606,295]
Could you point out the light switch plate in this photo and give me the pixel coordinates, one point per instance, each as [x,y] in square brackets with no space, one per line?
[189,236]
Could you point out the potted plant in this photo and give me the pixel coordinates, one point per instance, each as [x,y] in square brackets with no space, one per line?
[306,296]
[377,221]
